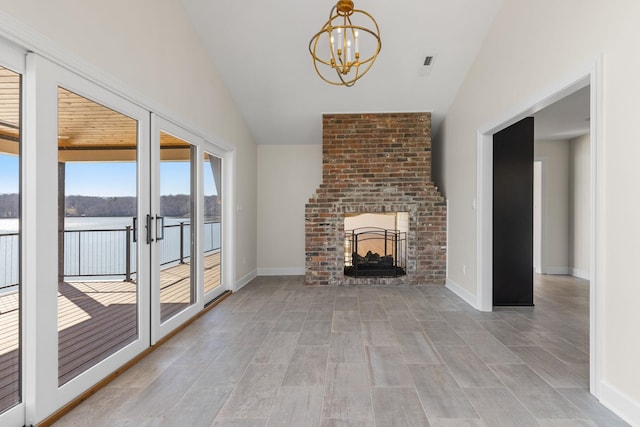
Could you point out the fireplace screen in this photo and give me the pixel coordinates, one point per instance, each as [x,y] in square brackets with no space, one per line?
[375,251]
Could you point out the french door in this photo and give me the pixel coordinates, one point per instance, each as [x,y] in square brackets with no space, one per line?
[12,65]
[185,219]
[122,216]
[174,221]
[86,193]
[213,205]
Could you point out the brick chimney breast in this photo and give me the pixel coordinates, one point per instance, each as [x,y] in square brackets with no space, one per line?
[376,163]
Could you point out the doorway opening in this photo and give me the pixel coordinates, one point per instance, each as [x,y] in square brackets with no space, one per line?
[592,79]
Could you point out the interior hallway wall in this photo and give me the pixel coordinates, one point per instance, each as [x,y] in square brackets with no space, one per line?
[565,202]
[287,177]
[532,49]
[554,156]
[579,208]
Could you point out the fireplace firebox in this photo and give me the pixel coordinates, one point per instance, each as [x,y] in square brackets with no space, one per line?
[375,244]
[388,260]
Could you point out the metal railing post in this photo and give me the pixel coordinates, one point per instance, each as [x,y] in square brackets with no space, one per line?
[182,243]
[127,277]
[79,254]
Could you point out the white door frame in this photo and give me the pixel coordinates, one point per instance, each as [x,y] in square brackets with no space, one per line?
[225,281]
[161,123]
[592,77]
[160,329]
[43,396]
[13,58]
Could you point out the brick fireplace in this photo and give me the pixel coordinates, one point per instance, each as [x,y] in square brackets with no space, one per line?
[376,163]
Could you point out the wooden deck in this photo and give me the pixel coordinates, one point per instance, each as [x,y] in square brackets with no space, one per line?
[95,319]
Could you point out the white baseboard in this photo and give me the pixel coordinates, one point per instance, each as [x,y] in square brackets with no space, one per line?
[581,274]
[556,270]
[620,404]
[576,272]
[245,279]
[284,271]
[469,298]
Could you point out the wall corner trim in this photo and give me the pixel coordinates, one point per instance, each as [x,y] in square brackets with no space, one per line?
[620,403]
[467,296]
[245,279]
[556,270]
[581,274]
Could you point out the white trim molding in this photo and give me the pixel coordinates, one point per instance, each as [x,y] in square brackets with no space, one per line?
[580,274]
[245,279]
[558,270]
[620,404]
[467,296]
[281,271]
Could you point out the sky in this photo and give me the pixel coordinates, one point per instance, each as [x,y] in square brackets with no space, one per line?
[108,179]
[8,174]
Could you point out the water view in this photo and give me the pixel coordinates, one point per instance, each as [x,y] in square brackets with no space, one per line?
[96,247]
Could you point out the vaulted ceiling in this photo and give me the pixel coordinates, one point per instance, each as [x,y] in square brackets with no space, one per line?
[260,49]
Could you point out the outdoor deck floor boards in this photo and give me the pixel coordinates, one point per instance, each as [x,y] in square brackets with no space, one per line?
[95,320]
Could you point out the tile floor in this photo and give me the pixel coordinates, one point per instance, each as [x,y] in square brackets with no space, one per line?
[277,353]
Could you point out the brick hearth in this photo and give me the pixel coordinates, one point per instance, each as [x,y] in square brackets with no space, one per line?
[376,163]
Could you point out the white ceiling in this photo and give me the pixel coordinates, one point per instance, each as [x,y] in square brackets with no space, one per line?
[565,119]
[261,50]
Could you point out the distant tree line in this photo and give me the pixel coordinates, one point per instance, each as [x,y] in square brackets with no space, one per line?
[177,205]
[100,206]
[8,205]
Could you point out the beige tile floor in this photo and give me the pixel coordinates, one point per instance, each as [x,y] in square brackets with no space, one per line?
[277,353]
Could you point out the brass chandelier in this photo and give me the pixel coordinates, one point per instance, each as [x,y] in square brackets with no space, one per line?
[346,52]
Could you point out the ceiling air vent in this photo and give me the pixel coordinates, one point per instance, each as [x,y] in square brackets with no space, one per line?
[427,65]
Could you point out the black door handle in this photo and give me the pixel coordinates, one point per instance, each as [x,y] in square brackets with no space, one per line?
[148,226]
[135,229]
[160,229]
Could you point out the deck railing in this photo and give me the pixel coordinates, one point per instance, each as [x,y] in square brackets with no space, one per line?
[107,252]
[9,261]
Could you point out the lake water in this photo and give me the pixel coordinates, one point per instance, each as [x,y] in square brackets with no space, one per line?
[96,247]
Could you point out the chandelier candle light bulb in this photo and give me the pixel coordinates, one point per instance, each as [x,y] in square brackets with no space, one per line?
[342,67]
[355,36]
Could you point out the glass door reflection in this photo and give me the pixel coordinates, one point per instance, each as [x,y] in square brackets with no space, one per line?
[211,235]
[97,229]
[174,226]
[10,234]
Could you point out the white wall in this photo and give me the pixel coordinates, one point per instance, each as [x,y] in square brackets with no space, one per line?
[537,217]
[579,209]
[565,206]
[288,175]
[535,47]
[150,49]
[554,156]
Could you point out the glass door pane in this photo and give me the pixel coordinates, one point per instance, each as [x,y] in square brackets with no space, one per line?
[175,226]
[10,263]
[211,234]
[98,229]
